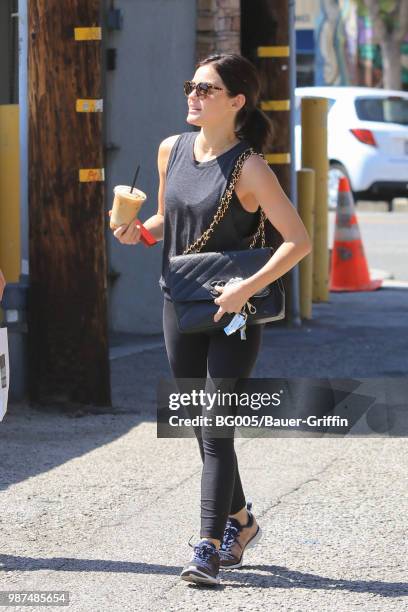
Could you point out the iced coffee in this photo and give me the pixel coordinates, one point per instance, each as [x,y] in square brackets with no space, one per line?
[126,205]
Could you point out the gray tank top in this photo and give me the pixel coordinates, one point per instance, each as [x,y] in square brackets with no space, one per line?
[192,195]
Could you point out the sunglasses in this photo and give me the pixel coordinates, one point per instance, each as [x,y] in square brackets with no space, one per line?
[202,89]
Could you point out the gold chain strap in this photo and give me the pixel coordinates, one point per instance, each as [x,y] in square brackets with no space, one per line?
[224,203]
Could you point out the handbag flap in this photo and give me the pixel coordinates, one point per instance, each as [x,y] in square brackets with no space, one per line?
[193,276]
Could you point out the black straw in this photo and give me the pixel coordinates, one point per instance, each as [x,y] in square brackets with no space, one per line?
[134,180]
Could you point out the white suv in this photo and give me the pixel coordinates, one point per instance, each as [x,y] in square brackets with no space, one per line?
[367,140]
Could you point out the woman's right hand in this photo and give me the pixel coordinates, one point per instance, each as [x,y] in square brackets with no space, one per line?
[128,234]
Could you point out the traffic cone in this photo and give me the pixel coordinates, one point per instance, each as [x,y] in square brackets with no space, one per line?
[349,270]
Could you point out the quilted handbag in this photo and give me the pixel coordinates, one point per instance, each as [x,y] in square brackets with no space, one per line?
[193,276]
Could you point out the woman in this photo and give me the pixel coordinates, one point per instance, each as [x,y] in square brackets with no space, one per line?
[194,169]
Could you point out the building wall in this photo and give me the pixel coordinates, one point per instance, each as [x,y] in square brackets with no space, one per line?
[218,27]
[336,38]
[337,34]
[144,103]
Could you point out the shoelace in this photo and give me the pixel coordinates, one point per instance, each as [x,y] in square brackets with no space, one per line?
[202,552]
[230,533]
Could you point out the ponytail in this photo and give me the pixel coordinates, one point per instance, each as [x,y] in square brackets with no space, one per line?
[254,126]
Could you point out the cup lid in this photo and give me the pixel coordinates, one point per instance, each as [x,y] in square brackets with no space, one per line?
[125,189]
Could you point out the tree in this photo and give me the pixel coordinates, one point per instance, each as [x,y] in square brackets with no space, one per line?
[389,20]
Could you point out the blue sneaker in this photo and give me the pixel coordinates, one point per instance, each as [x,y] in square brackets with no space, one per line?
[237,538]
[204,566]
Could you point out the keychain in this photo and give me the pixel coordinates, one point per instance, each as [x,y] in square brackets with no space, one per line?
[238,322]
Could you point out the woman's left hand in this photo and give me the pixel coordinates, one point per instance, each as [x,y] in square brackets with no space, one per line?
[232,299]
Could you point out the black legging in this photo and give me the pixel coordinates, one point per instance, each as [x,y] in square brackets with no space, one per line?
[225,356]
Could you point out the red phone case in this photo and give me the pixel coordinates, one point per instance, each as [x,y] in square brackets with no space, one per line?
[146,237]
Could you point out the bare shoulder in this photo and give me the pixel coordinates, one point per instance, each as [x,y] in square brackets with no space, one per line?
[254,169]
[255,163]
[165,148]
[167,143]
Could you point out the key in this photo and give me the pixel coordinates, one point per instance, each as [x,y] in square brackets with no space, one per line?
[242,332]
[236,323]
[234,279]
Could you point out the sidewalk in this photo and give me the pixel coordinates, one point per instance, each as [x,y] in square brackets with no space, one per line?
[98,506]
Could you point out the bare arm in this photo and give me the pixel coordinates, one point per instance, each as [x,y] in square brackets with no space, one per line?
[130,234]
[258,183]
[155,223]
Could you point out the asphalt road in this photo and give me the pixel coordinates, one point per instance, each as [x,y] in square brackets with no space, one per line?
[385,240]
[99,507]
[96,505]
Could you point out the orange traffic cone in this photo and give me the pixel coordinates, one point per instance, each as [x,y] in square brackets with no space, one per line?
[349,270]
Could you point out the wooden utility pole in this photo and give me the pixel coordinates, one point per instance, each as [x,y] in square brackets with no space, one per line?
[265,42]
[68,288]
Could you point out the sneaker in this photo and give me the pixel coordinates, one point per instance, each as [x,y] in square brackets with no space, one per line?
[237,538]
[204,566]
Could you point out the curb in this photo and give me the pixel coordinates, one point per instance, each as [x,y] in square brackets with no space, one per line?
[367,206]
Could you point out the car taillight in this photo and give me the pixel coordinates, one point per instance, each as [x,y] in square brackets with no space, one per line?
[364,136]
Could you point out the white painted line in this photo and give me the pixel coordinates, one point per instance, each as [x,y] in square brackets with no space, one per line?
[397,284]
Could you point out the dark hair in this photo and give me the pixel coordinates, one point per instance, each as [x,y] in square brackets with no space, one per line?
[240,77]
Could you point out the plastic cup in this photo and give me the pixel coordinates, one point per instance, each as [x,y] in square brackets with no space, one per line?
[126,205]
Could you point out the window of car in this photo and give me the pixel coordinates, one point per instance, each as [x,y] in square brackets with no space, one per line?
[390,109]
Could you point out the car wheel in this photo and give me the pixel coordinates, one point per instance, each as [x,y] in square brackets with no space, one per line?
[336,172]
[390,204]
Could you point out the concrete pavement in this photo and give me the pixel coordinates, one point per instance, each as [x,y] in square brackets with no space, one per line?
[95,504]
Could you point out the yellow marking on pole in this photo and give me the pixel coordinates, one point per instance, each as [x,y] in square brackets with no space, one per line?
[275,105]
[88,33]
[90,175]
[278,158]
[274,51]
[89,106]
